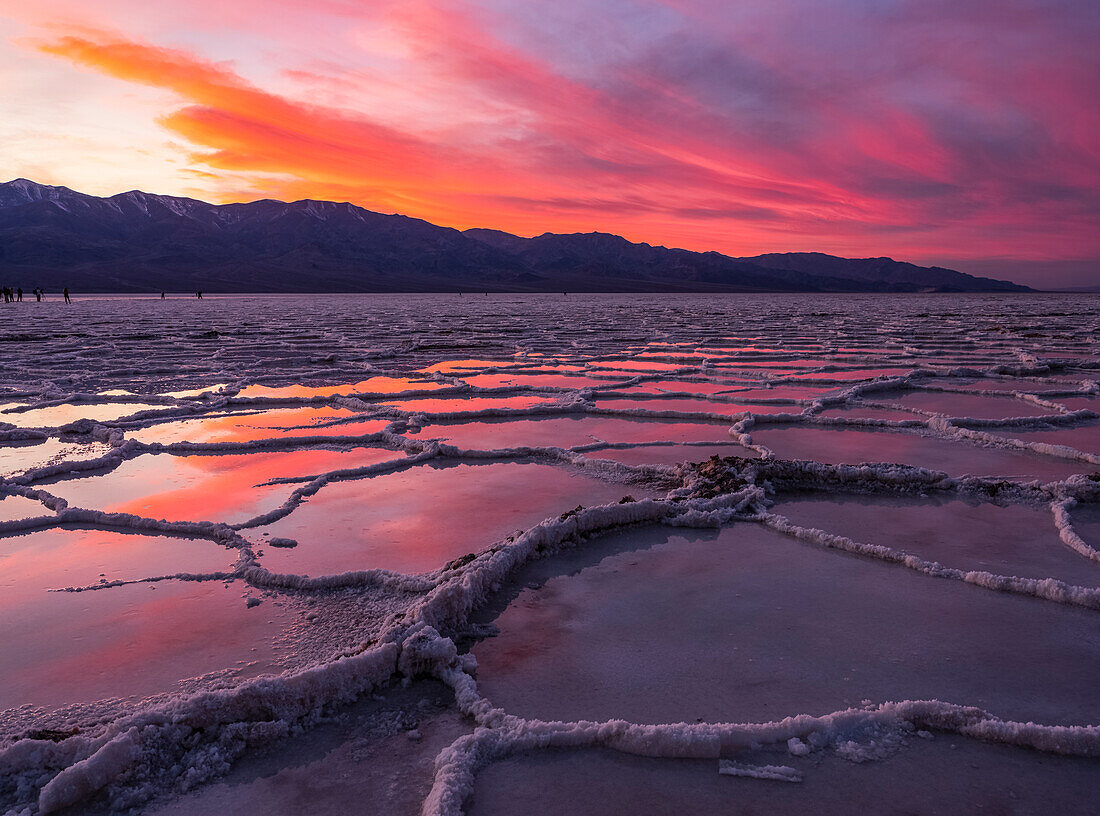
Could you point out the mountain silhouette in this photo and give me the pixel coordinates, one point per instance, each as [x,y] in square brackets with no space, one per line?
[52,237]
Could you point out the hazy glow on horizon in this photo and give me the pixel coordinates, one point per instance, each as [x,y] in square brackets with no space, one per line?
[931,131]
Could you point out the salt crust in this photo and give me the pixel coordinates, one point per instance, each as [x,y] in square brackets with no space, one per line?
[182,741]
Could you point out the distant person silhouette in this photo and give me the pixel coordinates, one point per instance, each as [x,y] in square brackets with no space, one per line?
[162,295]
[65,292]
[38,295]
[199,294]
[19,291]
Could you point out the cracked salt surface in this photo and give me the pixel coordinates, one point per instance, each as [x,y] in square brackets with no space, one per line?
[57,415]
[941,776]
[365,759]
[1084,438]
[64,647]
[275,423]
[228,487]
[856,445]
[371,385]
[18,457]
[392,521]
[748,625]
[858,411]
[1090,403]
[968,535]
[857,629]
[663,404]
[16,507]
[970,405]
[670,454]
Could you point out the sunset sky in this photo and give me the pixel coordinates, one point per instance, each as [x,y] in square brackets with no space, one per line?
[946,131]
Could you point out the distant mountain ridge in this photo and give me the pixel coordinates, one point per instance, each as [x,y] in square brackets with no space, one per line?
[140,242]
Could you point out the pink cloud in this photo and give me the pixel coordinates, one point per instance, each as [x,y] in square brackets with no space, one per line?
[915,130]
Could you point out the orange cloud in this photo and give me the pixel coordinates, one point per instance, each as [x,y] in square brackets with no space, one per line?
[252,129]
[737,149]
[557,179]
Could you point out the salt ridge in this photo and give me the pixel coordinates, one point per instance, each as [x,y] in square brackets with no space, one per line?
[179,742]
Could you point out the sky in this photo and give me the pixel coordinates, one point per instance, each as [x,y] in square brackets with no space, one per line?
[960,133]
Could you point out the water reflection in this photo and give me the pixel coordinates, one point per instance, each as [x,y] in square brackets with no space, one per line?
[417,520]
[62,647]
[207,488]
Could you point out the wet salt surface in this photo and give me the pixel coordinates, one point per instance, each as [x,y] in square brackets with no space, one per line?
[17,507]
[429,405]
[646,622]
[391,521]
[371,385]
[227,487]
[971,405]
[851,446]
[860,374]
[19,457]
[926,778]
[786,392]
[858,411]
[1010,540]
[333,769]
[701,406]
[573,431]
[132,641]
[520,378]
[692,387]
[62,647]
[1081,403]
[1084,438]
[636,366]
[1031,385]
[1086,520]
[458,366]
[785,628]
[670,454]
[57,415]
[276,423]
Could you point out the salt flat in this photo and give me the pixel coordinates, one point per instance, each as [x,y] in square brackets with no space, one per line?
[512,552]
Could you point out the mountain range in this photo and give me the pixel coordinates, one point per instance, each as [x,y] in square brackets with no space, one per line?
[53,237]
